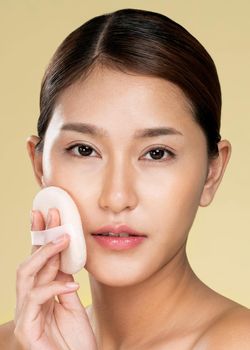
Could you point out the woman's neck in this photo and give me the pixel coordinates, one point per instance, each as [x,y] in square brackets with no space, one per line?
[160,305]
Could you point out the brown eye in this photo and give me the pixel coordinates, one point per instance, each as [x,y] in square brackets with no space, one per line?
[84,150]
[81,150]
[159,153]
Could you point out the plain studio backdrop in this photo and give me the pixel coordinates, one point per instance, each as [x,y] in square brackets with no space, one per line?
[30,30]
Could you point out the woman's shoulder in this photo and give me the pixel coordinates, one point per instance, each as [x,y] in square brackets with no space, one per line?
[6,330]
[7,338]
[229,331]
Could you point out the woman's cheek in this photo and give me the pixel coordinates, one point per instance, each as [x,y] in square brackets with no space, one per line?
[174,204]
[62,168]
[83,186]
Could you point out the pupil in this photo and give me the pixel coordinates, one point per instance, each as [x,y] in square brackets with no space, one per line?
[85,150]
[157,153]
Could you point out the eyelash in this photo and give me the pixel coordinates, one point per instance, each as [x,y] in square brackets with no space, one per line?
[171,154]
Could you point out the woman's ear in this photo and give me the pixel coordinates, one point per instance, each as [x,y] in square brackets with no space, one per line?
[217,167]
[36,158]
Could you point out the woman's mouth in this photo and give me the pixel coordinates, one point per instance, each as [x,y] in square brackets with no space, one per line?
[121,241]
[111,234]
[120,237]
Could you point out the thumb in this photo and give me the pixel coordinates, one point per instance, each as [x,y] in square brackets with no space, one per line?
[69,300]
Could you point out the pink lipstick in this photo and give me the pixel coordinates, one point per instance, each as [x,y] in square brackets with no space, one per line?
[120,237]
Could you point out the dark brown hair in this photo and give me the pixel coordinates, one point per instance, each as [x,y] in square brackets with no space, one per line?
[141,42]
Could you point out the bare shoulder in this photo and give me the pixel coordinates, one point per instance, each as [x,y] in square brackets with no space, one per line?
[230,331]
[7,338]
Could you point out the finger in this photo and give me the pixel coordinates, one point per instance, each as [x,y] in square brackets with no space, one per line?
[34,301]
[70,301]
[53,218]
[35,262]
[49,271]
[37,224]
[40,295]
[27,271]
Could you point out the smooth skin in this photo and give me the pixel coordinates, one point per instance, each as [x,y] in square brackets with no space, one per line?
[38,281]
[148,297]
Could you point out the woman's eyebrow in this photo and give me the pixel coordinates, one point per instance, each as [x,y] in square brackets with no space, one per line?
[86,128]
[157,131]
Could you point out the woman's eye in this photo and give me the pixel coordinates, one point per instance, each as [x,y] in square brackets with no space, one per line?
[81,150]
[159,153]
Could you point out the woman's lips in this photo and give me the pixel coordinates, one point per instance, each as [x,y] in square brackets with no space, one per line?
[103,238]
[122,228]
[119,243]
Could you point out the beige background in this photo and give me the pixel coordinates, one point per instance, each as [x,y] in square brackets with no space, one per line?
[30,31]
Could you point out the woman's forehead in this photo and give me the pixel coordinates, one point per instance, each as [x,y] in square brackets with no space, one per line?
[112,94]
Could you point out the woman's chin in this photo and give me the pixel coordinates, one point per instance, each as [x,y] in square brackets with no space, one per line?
[117,275]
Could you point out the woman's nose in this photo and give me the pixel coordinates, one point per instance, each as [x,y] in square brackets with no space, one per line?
[118,189]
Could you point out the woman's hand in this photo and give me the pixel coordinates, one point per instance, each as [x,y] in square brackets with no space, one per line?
[41,321]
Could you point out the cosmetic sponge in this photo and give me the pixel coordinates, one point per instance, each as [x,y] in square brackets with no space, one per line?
[73,258]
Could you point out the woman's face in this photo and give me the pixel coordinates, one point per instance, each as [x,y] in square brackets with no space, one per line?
[124,177]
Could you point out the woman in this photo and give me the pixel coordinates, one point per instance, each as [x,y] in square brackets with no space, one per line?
[130,128]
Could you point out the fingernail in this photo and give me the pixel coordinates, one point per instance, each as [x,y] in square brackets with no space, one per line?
[71,285]
[32,218]
[49,216]
[59,239]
